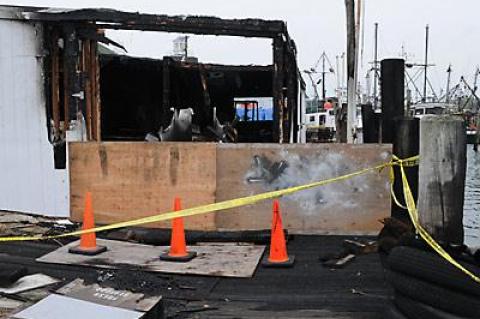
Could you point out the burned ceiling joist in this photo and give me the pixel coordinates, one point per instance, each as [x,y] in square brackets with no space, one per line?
[113,19]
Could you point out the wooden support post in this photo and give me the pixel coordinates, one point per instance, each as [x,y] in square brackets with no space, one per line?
[278,79]
[86,71]
[166,93]
[55,87]
[71,71]
[292,98]
[96,97]
[405,145]
[442,177]
[207,110]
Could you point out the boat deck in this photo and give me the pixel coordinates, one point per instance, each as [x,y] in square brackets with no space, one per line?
[308,290]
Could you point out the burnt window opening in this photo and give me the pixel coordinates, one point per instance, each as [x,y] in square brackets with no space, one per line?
[188,91]
[139,97]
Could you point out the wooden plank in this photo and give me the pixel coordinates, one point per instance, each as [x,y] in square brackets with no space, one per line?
[134,180]
[347,207]
[222,260]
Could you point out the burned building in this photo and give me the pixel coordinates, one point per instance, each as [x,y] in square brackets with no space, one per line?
[58,86]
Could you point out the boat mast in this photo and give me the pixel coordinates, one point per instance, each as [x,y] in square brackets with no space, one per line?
[477,72]
[324,93]
[375,69]
[425,79]
[449,71]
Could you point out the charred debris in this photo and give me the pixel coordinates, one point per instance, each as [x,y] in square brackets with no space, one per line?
[123,98]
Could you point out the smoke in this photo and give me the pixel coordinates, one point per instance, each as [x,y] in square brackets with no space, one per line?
[299,170]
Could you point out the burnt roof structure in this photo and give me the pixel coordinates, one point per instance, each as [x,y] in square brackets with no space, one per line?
[75,23]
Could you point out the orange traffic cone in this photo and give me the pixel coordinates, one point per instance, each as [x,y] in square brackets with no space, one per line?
[178,248]
[88,242]
[278,256]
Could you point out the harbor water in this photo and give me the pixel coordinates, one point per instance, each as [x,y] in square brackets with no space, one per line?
[471,218]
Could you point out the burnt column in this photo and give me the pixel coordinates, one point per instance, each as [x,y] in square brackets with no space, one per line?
[278,94]
[74,95]
[163,119]
[392,92]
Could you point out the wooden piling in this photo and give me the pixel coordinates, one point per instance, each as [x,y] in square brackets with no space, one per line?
[370,121]
[405,145]
[392,92]
[442,177]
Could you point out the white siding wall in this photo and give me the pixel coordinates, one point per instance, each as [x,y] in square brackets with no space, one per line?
[28,180]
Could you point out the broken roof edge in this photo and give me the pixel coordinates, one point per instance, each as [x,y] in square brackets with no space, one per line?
[207,65]
[115,19]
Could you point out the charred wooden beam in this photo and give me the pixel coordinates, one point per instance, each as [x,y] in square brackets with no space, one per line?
[292,92]
[206,95]
[112,19]
[86,71]
[166,91]
[278,84]
[71,71]
[225,68]
[55,86]
[96,101]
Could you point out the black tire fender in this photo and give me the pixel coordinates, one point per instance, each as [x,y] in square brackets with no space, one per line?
[436,296]
[417,310]
[434,269]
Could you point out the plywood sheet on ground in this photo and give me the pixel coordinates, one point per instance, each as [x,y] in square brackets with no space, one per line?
[352,206]
[134,180]
[225,260]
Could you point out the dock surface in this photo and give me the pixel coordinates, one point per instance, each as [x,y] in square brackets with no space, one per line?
[308,290]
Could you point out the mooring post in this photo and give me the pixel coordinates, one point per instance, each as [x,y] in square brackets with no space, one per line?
[393,96]
[405,145]
[442,177]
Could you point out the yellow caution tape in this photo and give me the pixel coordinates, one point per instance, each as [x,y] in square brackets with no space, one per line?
[412,211]
[233,203]
[238,202]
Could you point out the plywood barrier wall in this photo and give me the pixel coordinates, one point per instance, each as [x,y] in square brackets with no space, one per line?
[352,206]
[132,180]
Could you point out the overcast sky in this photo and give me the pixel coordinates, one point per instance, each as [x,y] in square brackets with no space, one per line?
[316,26]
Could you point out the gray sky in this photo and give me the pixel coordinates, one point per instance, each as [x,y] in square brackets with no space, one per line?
[316,26]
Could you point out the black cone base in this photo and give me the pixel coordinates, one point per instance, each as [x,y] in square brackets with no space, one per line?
[189,256]
[88,252]
[285,264]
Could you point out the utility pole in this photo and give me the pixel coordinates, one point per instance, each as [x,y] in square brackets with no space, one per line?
[447,96]
[425,79]
[375,70]
[351,83]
